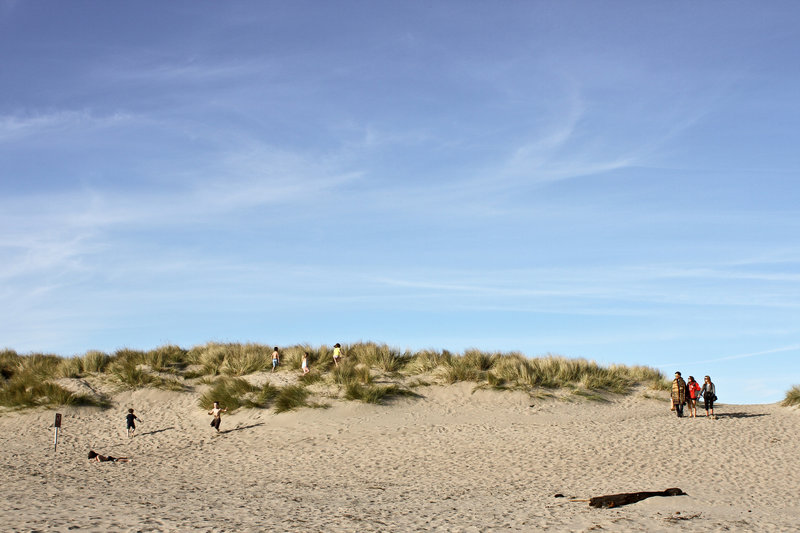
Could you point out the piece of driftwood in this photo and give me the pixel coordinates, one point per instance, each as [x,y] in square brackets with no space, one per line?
[617,500]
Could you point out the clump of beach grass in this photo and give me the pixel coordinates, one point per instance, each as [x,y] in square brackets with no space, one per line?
[792,397]
[380,356]
[426,361]
[125,368]
[70,368]
[28,391]
[232,359]
[375,394]
[350,371]
[232,394]
[472,366]
[291,397]
[167,358]
[26,382]
[310,378]
[94,361]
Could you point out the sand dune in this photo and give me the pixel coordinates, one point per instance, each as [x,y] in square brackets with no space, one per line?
[454,460]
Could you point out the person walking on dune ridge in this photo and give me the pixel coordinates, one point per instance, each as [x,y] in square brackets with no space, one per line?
[337,353]
[276,359]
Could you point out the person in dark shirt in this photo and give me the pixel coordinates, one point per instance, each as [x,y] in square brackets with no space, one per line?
[130,418]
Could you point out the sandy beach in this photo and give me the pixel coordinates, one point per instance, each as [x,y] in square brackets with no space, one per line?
[455,459]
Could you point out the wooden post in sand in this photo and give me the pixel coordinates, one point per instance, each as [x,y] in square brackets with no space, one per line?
[56,426]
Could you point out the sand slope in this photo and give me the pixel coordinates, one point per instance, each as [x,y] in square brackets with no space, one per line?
[451,461]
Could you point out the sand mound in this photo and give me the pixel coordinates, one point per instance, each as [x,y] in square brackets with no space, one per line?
[454,460]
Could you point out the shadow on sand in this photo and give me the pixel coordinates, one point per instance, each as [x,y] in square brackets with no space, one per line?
[154,432]
[740,415]
[239,428]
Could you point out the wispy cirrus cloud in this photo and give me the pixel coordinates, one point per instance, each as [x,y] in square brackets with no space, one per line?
[762,353]
[21,126]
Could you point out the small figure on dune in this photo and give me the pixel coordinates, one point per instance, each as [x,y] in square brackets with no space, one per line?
[694,393]
[276,359]
[304,365]
[709,393]
[678,393]
[96,457]
[337,353]
[216,412]
[130,418]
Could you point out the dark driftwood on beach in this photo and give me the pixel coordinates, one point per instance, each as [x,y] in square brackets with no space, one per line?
[616,500]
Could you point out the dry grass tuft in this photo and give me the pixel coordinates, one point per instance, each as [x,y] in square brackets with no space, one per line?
[792,397]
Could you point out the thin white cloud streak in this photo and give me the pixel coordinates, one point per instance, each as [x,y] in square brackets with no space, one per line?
[19,126]
[239,181]
[153,68]
[64,238]
[630,284]
[792,348]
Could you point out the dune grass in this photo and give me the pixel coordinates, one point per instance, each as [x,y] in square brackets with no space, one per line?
[29,391]
[233,359]
[220,364]
[290,398]
[26,382]
[375,393]
[93,361]
[792,397]
[232,394]
[380,356]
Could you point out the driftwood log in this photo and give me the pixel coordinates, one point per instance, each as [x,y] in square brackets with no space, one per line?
[617,500]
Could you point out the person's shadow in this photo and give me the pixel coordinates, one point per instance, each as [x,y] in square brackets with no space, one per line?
[240,428]
[155,431]
[740,415]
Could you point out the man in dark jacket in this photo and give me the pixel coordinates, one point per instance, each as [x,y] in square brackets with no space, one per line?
[678,394]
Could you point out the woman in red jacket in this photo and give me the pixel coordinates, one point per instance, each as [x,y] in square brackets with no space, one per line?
[694,393]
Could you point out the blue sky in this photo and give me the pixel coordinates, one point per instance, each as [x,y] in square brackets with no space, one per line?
[610,180]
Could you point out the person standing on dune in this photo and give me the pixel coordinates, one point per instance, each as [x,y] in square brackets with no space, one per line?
[276,359]
[337,353]
[678,393]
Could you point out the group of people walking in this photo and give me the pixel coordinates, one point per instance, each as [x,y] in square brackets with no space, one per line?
[690,392]
[276,358]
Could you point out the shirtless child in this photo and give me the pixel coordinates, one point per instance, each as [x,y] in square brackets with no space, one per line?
[216,412]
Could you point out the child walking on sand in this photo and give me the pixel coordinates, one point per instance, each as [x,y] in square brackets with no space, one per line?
[130,418]
[305,363]
[216,412]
